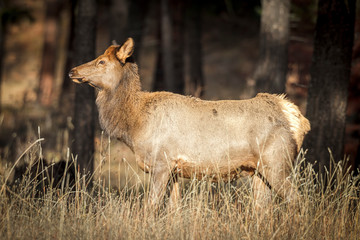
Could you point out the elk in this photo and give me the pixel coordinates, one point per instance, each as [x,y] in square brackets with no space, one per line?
[175,136]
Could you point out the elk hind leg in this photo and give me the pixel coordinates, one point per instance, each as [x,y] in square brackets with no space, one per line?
[175,194]
[261,193]
[276,168]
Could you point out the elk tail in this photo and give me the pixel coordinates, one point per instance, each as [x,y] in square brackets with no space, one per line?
[299,125]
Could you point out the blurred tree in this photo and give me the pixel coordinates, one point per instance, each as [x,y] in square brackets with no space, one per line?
[9,14]
[193,38]
[177,10]
[47,72]
[270,74]
[67,88]
[2,43]
[170,66]
[84,118]
[158,83]
[330,76]
[136,23]
[357,160]
[118,20]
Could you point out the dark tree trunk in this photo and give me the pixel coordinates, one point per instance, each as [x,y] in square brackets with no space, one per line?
[2,45]
[357,160]
[270,74]
[166,47]
[118,18]
[170,64]
[67,88]
[158,83]
[136,23]
[330,76]
[178,15]
[84,118]
[193,34]
[47,73]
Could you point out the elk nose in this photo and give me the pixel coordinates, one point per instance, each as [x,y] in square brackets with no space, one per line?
[72,73]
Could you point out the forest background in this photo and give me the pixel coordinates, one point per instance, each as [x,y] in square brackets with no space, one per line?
[218,52]
[214,49]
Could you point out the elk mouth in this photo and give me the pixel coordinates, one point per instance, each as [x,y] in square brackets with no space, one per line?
[73,75]
[79,80]
[76,77]
[93,85]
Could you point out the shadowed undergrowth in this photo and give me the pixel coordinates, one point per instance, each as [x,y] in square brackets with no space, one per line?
[45,205]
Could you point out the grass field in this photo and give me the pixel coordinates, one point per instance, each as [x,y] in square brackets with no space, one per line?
[41,206]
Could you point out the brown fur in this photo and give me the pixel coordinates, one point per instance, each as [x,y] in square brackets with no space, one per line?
[174,134]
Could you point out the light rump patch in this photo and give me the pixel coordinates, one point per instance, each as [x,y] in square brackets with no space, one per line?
[179,136]
[299,125]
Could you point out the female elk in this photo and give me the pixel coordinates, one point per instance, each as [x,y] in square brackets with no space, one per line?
[175,135]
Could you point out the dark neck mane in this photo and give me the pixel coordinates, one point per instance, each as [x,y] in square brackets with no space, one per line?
[119,107]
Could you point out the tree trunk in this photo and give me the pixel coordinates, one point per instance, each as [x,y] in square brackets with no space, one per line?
[47,73]
[65,113]
[118,16]
[3,25]
[84,118]
[330,76]
[177,11]
[270,74]
[357,160]
[193,28]
[158,83]
[170,65]
[2,45]
[67,87]
[166,46]
[136,23]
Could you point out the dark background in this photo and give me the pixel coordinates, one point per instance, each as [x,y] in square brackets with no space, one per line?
[38,50]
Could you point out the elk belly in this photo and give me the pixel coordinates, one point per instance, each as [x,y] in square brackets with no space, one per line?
[227,169]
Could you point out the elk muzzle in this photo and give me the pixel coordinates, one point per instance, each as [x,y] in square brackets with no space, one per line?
[74,75]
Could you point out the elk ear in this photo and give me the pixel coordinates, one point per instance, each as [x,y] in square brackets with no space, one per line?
[126,50]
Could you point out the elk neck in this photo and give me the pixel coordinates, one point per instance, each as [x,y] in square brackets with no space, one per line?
[120,108]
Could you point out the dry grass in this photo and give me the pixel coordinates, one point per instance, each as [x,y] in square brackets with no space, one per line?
[33,208]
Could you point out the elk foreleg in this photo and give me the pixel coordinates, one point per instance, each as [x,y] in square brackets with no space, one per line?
[175,194]
[158,182]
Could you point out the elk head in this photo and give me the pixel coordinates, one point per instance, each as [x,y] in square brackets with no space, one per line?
[105,71]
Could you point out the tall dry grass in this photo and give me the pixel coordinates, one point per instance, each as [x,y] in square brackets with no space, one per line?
[35,207]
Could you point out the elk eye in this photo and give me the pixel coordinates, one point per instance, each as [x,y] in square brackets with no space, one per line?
[102,62]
